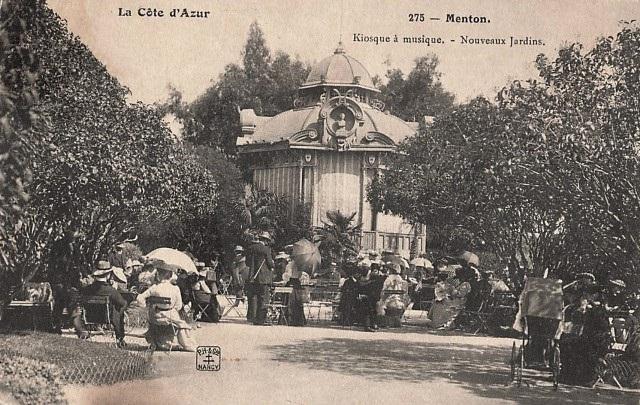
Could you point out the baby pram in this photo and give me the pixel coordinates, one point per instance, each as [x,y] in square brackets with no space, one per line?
[539,319]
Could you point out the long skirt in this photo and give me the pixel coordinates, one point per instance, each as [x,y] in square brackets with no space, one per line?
[162,325]
[439,313]
[296,305]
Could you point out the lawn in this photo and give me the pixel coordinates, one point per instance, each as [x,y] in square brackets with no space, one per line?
[34,365]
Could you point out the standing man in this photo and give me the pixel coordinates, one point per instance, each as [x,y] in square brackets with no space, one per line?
[260,263]
[117,257]
[239,273]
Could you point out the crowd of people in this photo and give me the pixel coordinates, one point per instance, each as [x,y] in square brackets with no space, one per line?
[373,291]
[377,289]
[598,317]
[167,317]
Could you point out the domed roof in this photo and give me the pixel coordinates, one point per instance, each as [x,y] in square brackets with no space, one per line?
[285,125]
[339,69]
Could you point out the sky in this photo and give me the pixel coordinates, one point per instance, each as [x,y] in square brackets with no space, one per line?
[147,54]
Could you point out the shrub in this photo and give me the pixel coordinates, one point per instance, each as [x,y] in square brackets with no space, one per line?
[30,381]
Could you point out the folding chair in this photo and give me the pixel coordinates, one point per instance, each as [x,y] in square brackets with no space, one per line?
[330,300]
[96,313]
[426,295]
[202,301]
[318,301]
[155,303]
[279,305]
[233,301]
[478,319]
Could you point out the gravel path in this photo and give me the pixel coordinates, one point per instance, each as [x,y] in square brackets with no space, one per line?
[330,365]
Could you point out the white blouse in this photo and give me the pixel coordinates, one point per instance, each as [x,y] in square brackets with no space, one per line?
[163,289]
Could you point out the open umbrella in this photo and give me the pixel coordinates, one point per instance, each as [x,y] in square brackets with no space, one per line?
[398,260]
[470,258]
[306,255]
[175,258]
[422,262]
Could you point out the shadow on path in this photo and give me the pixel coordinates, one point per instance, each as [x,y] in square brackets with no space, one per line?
[482,370]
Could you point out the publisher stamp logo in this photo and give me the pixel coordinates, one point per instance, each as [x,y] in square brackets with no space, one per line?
[208,358]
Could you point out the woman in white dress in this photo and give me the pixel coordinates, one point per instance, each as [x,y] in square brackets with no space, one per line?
[165,318]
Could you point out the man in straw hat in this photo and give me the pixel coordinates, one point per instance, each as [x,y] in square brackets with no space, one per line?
[118,279]
[101,287]
[281,260]
[258,285]
[117,257]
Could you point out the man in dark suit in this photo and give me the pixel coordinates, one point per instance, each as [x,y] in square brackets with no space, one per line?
[260,263]
[101,287]
[117,257]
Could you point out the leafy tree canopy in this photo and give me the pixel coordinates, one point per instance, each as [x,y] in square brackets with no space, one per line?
[103,165]
[419,94]
[263,82]
[547,176]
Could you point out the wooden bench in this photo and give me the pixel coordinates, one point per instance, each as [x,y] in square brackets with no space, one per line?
[39,312]
[38,308]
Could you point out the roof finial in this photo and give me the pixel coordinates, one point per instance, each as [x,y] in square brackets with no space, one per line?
[340,48]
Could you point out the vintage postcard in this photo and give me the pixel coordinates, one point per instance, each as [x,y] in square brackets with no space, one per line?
[319,201]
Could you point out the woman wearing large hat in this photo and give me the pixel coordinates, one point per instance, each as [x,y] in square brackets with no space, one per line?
[164,318]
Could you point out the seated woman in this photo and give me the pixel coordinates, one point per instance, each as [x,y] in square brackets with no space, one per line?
[394,305]
[203,295]
[624,366]
[439,315]
[164,318]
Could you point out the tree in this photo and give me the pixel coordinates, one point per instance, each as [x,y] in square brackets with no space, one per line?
[337,237]
[287,220]
[103,165]
[267,85]
[420,94]
[209,231]
[548,176]
[18,115]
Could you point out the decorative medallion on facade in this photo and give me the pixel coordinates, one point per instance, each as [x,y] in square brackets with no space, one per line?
[342,117]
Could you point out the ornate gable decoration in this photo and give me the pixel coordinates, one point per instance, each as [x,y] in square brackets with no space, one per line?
[341,117]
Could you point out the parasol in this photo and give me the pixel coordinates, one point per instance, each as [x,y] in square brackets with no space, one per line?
[395,259]
[174,257]
[470,258]
[422,262]
[306,255]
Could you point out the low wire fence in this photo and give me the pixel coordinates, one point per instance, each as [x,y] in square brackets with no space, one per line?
[131,366]
[126,365]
